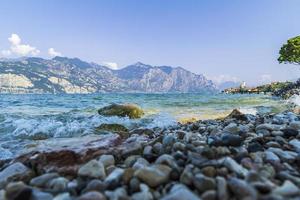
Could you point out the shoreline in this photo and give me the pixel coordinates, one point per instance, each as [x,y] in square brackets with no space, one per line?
[239,156]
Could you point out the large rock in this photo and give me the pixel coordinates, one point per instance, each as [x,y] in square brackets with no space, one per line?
[13,172]
[122,110]
[236,114]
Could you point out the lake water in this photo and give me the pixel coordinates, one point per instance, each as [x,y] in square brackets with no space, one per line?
[24,118]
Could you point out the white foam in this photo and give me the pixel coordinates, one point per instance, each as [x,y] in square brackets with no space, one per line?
[252,111]
[295,99]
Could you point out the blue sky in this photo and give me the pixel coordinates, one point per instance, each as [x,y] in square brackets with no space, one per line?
[225,40]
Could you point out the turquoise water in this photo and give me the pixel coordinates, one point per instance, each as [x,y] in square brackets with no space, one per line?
[25,118]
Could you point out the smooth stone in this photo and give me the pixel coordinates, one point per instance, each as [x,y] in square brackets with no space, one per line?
[134,185]
[222,190]
[178,146]
[2,195]
[130,160]
[277,133]
[95,185]
[117,194]
[63,196]
[287,189]
[59,184]
[18,191]
[209,195]
[187,175]
[168,140]
[287,156]
[289,132]
[271,157]
[180,192]
[231,128]
[128,174]
[295,143]
[145,194]
[14,172]
[242,189]
[254,147]
[270,127]
[140,163]
[154,175]
[42,180]
[295,125]
[114,178]
[157,148]
[203,183]
[231,140]
[107,160]
[234,166]
[167,160]
[39,195]
[92,169]
[209,171]
[93,195]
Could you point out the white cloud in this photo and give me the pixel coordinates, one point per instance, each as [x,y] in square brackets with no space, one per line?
[5,53]
[111,65]
[224,78]
[18,48]
[14,39]
[52,52]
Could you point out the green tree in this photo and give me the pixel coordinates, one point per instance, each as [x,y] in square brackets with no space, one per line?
[290,52]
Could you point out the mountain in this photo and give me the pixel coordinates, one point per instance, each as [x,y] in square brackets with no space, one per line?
[72,75]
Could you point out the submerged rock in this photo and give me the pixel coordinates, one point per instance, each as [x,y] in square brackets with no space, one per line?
[111,128]
[122,110]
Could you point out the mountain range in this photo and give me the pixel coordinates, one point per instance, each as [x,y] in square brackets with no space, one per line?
[72,75]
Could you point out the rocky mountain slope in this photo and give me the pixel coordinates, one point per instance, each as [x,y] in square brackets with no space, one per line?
[72,75]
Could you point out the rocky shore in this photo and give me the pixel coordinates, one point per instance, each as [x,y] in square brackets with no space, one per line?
[238,157]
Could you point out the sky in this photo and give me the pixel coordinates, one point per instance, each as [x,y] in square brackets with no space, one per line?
[222,39]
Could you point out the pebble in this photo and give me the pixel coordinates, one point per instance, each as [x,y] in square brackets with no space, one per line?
[287,156]
[93,195]
[95,185]
[107,160]
[287,189]
[41,181]
[154,175]
[167,160]
[140,163]
[114,178]
[242,189]
[203,183]
[180,192]
[92,169]
[234,166]
[63,196]
[18,190]
[15,171]
[39,195]
[59,184]
[222,191]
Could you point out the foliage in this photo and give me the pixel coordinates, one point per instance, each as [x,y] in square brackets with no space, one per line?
[290,52]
